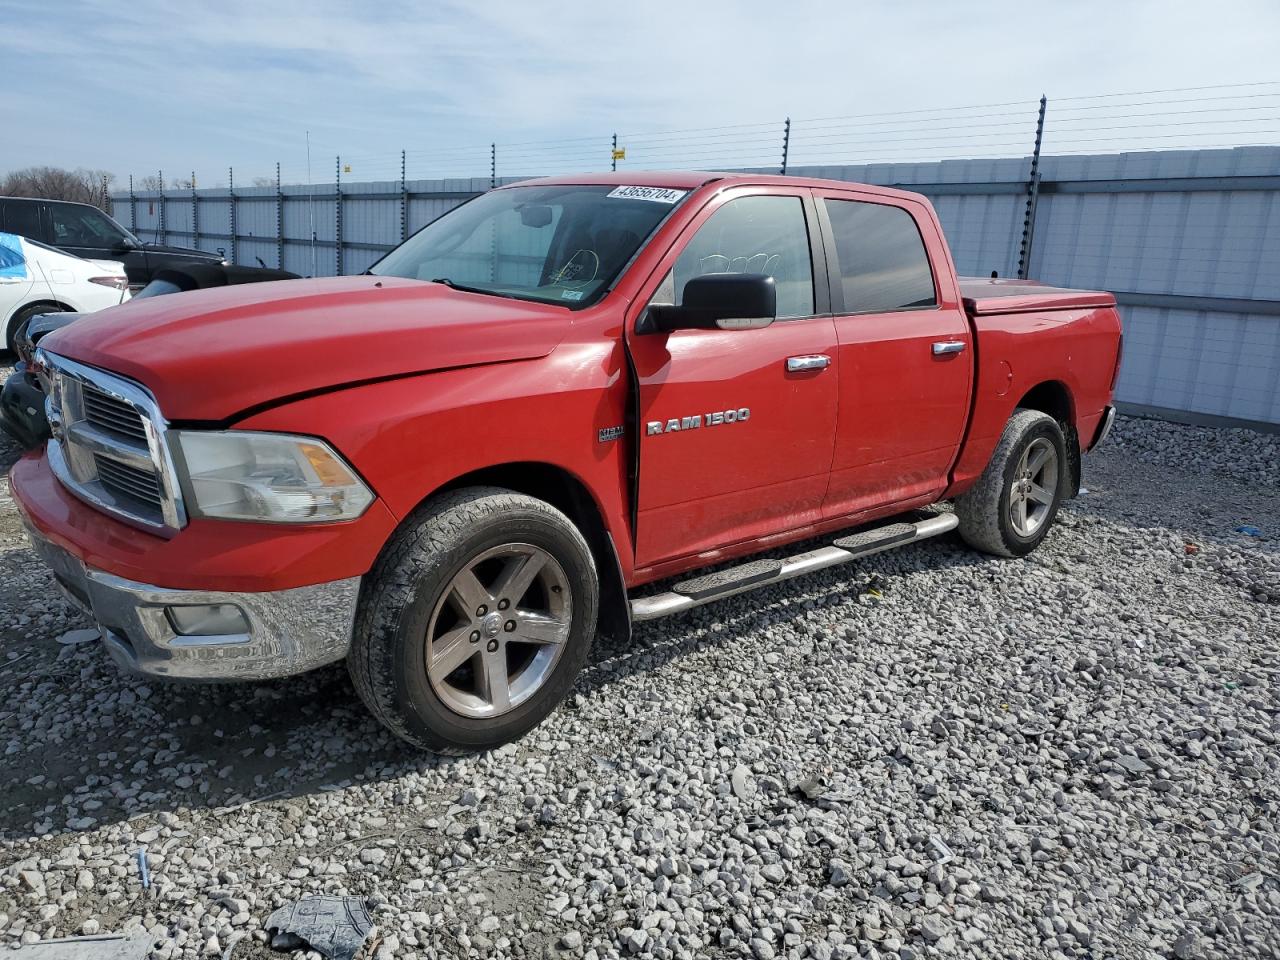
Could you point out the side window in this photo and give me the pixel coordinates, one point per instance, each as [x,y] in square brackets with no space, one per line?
[23,218]
[881,257]
[752,235]
[77,226]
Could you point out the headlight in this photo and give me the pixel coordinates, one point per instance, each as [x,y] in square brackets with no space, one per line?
[275,477]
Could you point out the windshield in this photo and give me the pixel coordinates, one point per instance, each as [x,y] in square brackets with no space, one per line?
[556,244]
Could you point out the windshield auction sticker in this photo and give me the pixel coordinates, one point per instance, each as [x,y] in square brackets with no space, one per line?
[656,194]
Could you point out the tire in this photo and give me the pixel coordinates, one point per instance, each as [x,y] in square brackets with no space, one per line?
[21,317]
[454,553]
[991,513]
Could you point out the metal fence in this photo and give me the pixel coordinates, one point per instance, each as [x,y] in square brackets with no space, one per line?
[1189,240]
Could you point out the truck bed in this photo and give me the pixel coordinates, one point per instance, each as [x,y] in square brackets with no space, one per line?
[984,296]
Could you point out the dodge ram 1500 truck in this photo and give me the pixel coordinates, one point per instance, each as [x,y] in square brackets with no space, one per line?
[455,469]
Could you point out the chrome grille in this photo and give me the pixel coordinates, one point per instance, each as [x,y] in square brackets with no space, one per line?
[141,485]
[112,414]
[108,445]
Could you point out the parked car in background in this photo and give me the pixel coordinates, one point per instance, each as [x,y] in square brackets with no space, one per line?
[35,278]
[22,407]
[454,470]
[85,231]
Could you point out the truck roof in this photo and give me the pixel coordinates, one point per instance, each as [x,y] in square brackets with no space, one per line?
[691,180]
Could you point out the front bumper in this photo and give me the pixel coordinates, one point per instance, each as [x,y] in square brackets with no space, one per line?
[287,631]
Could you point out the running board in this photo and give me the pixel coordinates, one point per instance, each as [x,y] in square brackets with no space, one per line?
[759,573]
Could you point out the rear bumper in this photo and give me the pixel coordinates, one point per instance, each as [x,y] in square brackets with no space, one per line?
[1104,427]
[284,632]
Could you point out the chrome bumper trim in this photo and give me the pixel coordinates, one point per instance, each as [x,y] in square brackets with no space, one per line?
[1108,421]
[290,631]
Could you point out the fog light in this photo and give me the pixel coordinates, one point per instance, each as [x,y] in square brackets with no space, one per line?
[208,620]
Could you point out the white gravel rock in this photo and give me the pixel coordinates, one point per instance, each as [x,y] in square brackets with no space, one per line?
[1090,732]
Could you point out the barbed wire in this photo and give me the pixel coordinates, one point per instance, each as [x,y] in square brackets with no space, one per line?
[1216,115]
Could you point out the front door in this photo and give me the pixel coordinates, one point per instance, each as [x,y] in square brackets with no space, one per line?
[906,356]
[734,445]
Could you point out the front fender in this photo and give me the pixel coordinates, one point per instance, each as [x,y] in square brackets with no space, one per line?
[411,437]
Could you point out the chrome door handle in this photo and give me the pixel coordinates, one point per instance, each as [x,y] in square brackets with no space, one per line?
[817,361]
[942,348]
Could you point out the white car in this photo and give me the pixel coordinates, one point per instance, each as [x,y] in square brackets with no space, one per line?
[35,279]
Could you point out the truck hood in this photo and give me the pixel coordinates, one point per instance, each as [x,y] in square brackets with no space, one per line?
[210,355]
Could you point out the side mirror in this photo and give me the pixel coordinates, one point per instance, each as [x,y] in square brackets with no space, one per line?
[123,245]
[535,214]
[719,301]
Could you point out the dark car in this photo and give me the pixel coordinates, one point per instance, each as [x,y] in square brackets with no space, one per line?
[84,230]
[22,413]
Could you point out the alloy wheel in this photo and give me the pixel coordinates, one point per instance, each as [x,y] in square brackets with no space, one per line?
[498,630]
[1035,483]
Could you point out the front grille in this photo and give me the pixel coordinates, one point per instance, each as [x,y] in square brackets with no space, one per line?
[141,485]
[110,413]
[109,446]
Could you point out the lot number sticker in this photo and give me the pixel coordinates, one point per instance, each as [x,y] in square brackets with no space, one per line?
[656,194]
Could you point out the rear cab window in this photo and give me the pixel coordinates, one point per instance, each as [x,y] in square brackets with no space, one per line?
[880,261]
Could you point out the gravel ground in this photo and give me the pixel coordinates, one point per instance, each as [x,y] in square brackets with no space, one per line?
[929,753]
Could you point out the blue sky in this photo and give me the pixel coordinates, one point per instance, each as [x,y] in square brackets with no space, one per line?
[142,86]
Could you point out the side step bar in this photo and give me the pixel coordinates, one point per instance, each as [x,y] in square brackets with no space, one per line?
[759,573]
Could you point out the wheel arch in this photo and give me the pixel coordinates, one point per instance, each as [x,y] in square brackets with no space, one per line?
[1053,397]
[61,306]
[571,496]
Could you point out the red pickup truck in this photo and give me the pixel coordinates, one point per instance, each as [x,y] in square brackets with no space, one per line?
[455,469]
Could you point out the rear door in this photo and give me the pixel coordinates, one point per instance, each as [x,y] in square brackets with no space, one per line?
[733,445]
[906,352]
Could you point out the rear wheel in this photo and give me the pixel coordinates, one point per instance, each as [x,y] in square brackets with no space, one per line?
[1009,511]
[476,620]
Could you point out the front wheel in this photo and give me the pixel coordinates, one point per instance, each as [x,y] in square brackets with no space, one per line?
[1009,511]
[475,621]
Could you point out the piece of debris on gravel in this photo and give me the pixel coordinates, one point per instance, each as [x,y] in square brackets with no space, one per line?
[1071,755]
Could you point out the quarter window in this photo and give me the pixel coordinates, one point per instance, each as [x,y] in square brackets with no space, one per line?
[881,257]
[752,235]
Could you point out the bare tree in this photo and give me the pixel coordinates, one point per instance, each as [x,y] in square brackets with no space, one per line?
[264,181]
[150,182]
[54,183]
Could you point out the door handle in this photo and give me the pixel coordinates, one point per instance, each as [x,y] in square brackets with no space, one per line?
[942,348]
[817,361]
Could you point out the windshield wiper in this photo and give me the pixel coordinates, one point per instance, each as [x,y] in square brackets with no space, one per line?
[462,287]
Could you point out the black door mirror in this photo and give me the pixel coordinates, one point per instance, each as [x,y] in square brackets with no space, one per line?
[719,301]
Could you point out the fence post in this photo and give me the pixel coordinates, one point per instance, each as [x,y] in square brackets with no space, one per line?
[613,154]
[106,197]
[160,233]
[1033,194]
[786,145]
[195,213]
[231,204]
[404,202]
[279,221]
[493,165]
[133,208]
[337,215]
